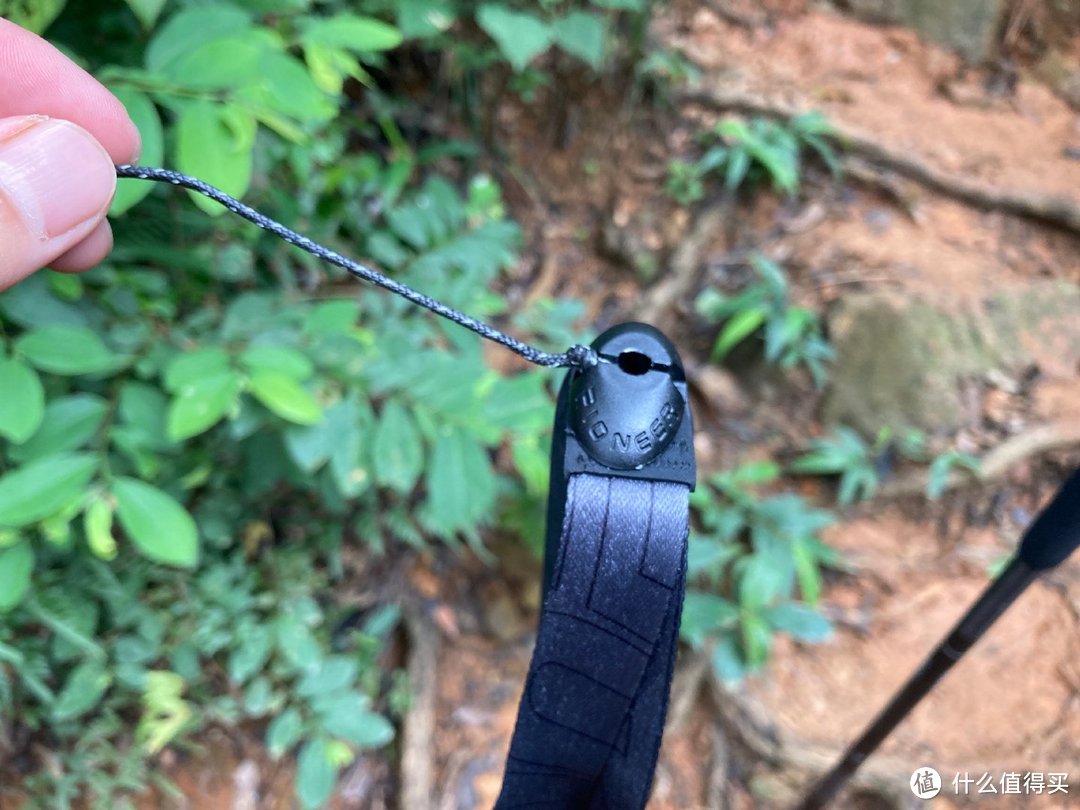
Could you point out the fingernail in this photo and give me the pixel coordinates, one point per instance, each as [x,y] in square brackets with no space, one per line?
[56,175]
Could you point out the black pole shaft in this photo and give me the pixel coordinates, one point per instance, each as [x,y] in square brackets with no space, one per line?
[994,601]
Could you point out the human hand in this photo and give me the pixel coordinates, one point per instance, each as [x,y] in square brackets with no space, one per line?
[60,134]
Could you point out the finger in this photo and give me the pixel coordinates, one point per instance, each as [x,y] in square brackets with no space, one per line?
[39,80]
[90,252]
[56,183]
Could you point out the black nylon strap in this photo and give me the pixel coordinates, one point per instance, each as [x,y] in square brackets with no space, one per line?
[592,715]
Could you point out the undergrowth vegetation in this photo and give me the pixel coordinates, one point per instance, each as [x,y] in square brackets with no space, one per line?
[194,434]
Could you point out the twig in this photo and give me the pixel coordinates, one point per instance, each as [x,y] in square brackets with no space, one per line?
[418,731]
[996,463]
[1058,211]
[686,262]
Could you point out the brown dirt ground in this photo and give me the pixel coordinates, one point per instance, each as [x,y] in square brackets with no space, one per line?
[1014,703]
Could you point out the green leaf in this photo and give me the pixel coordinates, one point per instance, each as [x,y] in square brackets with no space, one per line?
[520,36]
[16,566]
[336,672]
[156,523]
[67,350]
[361,34]
[359,726]
[285,396]
[200,405]
[44,486]
[460,483]
[756,639]
[215,143]
[69,422]
[187,30]
[190,367]
[144,410]
[800,621]
[82,692]
[97,524]
[22,401]
[703,614]
[251,652]
[284,732]
[336,317]
[738,328]
[727,662]
[259,697]
[582,35]
[147,11]
[316,774]
[221,63]
[33,15]
[129,192]
[397,454]
[282,359]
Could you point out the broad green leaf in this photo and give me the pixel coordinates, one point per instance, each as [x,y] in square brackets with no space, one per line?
[283,359]
[16,566]
[221,63]
[215,143]
[259,697]
[36,490]
[130,192]
[190,367]
[33,15]
[360,727]
[800,621]
[199,406]
[187,30]
[147,11]
[581,34]
[69,422]
[156,523]
[284,732]
[251,651]
[520,36]
[82,692]
[424,18]
[397,453]
[362,34]
[316,774]
[335,673]
[31,304]
[460,483]
[67,350]
[332,317]
[703,614]
[727,662]
[285,396]
[144,410]
[286,86]
[22,401]
[296,642]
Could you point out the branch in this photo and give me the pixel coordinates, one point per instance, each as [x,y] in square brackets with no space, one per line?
[1060,212]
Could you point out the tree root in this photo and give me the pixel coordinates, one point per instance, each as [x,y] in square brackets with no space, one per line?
[418,730]
[1057,211]
[996,463]
[794,765]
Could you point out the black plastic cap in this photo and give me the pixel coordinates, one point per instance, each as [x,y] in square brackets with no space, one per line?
[1055,534]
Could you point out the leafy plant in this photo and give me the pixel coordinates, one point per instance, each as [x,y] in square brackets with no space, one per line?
[792,335]
[752,153]
[942,465]
[749,555]
[844,453]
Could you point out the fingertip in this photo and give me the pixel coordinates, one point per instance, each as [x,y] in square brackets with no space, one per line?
[90,252]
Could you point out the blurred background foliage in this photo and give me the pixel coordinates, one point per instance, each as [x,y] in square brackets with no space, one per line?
[193,432]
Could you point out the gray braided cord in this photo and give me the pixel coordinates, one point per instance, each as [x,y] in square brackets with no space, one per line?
[579,356]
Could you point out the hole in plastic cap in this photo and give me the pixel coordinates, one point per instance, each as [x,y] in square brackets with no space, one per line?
[634,363]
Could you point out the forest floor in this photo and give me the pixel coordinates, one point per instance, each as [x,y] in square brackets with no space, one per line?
[959,182]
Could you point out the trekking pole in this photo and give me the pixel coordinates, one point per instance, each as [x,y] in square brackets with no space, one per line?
[1050,539]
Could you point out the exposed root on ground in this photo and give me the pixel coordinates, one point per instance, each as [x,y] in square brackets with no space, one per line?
[418,730]
[1060,212]
[794,765]
[996,463]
